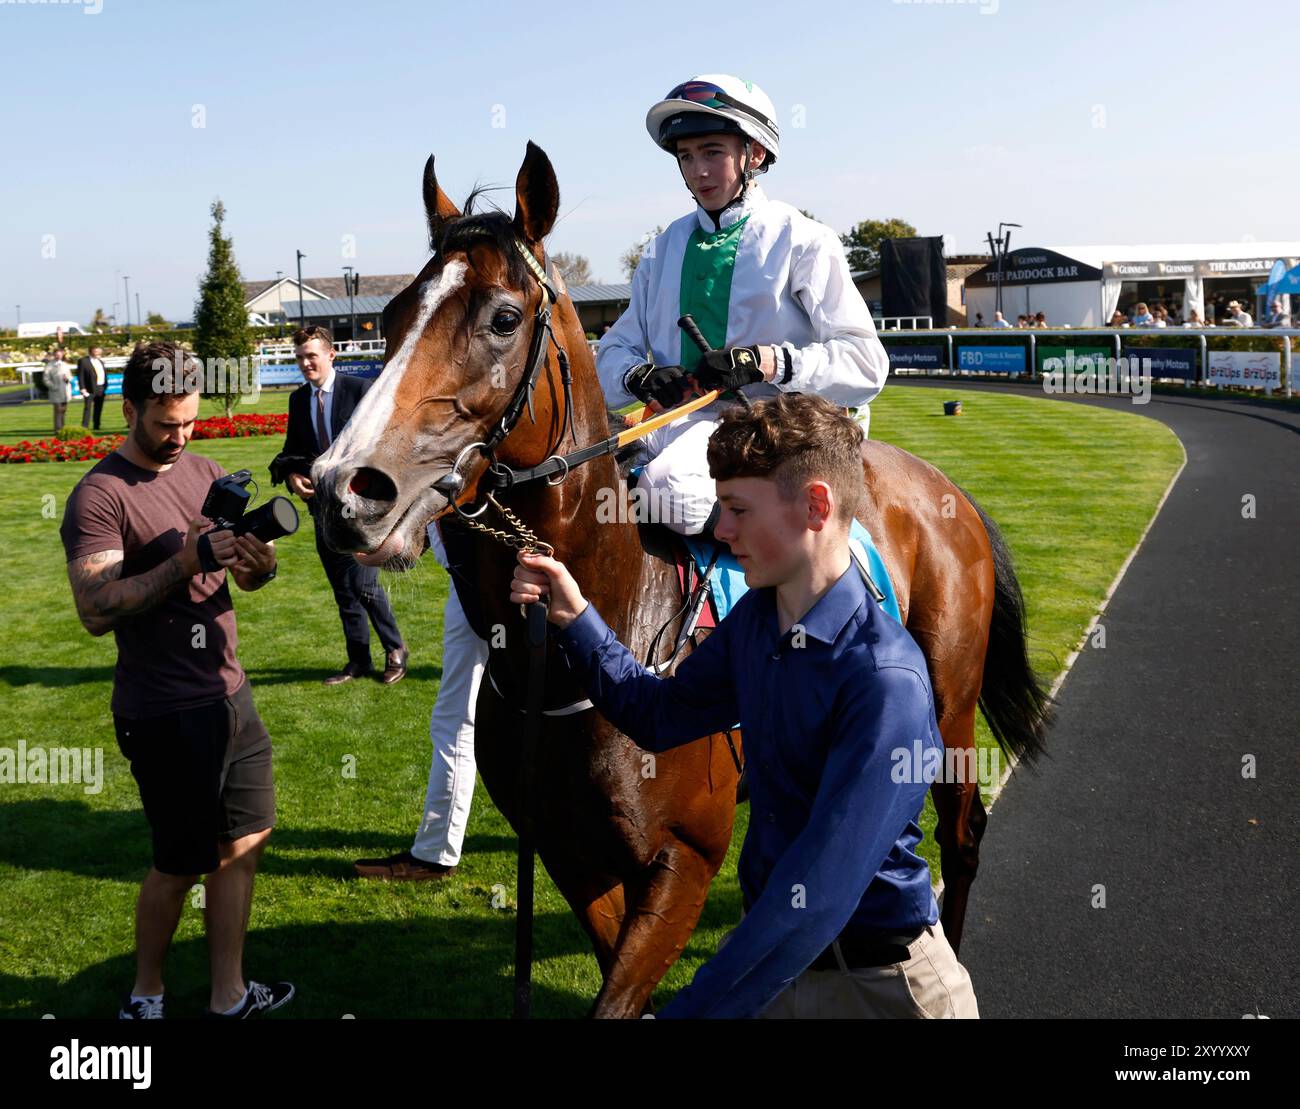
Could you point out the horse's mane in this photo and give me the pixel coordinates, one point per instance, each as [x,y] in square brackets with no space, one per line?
[471,227]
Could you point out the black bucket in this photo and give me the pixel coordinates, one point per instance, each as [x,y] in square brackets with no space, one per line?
[952,408]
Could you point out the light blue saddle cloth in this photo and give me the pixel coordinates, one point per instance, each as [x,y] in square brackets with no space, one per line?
[728,581]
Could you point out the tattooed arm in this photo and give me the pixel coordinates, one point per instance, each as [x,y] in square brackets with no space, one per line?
[102,594]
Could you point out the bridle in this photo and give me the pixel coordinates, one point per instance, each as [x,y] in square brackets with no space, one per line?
[498,474]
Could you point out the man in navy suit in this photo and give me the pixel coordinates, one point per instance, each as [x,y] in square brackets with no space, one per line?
[317,412]
[93,380]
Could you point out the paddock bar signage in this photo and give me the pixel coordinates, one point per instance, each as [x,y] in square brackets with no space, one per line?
[1034,267]
[1220,267]
[1138,271]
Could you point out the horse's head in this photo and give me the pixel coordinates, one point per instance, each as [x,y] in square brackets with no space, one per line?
[465,347]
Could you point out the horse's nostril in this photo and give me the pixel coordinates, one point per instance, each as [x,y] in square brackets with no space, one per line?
[373,485]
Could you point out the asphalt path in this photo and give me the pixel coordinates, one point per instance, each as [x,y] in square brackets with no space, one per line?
[1144,793]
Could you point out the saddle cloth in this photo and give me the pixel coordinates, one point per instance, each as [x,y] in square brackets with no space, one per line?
[727,585]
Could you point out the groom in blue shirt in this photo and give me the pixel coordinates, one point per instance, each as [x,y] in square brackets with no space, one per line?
[834,700]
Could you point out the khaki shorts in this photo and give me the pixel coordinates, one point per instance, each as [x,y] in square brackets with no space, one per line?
[929,984]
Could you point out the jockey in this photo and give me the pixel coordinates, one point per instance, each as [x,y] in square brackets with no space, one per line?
[769,288]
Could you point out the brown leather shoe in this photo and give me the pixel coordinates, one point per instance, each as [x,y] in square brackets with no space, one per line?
[402,867]
[395,668]
[350,671]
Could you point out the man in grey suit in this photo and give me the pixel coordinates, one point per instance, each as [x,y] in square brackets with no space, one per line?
[58,386]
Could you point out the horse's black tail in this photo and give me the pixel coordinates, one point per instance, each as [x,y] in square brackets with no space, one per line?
[1014,702]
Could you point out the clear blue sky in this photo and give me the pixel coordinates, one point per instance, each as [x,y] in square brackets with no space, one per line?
[1108,122]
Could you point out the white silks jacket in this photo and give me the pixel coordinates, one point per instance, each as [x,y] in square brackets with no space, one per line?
[790,288]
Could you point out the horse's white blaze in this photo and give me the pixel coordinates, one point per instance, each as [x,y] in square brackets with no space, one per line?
[371,418]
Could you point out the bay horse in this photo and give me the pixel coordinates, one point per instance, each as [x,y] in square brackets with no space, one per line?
[481,383]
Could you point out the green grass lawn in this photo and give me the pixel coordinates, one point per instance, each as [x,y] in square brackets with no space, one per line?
[1072,487]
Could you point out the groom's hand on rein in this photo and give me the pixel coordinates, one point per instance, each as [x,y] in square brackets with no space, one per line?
[536,575]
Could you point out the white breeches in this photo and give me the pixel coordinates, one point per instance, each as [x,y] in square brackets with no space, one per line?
[451,729]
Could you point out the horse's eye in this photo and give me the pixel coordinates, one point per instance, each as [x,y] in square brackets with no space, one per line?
[506,321]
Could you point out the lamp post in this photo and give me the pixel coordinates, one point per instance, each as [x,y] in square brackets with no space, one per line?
[18,312]
[126,284]
[139,316]
[302,312]
[999,247]
[352,311]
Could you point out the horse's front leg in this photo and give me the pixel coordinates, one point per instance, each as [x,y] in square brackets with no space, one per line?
[662,906]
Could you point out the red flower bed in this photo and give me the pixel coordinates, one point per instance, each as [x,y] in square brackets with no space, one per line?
[54,450]
[241,427]
[83,450]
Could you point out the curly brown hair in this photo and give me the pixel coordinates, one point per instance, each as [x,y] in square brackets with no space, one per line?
[792,439]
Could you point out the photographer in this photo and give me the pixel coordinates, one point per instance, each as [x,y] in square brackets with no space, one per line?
[182,706]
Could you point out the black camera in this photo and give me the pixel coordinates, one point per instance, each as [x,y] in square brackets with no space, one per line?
[224,505]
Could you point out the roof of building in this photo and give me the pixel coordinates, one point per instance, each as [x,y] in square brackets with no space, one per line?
[588,294]
[1098,256]
[386,285]
[336,306]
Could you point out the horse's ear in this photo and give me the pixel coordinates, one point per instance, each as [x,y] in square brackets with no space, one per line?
[437,207]
[537,196]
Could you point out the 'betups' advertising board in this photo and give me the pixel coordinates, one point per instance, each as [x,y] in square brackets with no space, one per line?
[1249,368]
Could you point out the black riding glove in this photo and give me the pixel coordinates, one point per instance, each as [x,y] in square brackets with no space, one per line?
[665,384]
[729,369]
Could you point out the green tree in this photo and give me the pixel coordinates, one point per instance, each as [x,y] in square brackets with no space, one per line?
[574,268]
[156,319]
[99,323]
[862,244]
[632,258]
[220,319]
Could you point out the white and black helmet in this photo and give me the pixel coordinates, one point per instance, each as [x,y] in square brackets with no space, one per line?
[712,103]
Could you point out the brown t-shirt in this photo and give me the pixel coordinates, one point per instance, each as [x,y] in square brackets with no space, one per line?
[164,663]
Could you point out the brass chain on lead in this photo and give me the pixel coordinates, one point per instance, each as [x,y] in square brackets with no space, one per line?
[525,540]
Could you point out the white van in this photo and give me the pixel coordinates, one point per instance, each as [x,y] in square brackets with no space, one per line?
[40,330]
